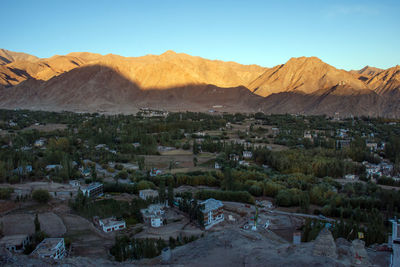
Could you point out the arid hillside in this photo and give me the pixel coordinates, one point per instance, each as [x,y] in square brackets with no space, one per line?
[305,74]
[7,56]
[167,70]
[365,73]
[83,81]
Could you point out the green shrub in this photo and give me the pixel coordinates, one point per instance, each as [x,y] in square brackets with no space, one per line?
[5,193]
[41,195]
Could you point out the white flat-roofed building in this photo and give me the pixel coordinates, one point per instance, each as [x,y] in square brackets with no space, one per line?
[212,212]
[153,215]
[92,190]
[15,243]
[53,248]
[112,224]
[74,183]
[148,193]
[247,154]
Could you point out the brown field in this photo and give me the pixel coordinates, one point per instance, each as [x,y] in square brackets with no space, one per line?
[176,152]
[182,161]
[85,239]
[46,128]
[23,223]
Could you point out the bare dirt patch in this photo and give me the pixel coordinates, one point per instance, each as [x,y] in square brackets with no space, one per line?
[85,239]
[51,224]
[14,224]
[47,127]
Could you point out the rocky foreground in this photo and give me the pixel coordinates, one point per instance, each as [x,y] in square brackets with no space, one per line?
[236,247]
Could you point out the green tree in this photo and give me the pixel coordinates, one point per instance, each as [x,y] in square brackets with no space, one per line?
[161,190]
[37,224]
[195,161]
[170,194]
[41,195]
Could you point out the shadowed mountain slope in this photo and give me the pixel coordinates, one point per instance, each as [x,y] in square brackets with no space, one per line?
[83,81]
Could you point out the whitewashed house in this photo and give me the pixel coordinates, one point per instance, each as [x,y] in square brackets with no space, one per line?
[111,224]
[53,248]
[247,154]
[212,212]
[148,193]
[15,243]
[153,215]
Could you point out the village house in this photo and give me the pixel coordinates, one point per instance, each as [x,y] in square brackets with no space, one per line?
[200,134]
[350,177]
[92,190]
[275,131]
[148,193]
[40,142]
[372,146]
[110,224]
[383,168]
[386,168]
[212,212]
[15,243]
[53,167]
[53,248]
[234,157]
[85,171]
[23,170]
[342,133]
[153,215]
[100,146]
[343,143]
[136,145]
[217,166]
[244,163]
[247,154]
[307,135]
[74,183]
[155,172]
[394,242]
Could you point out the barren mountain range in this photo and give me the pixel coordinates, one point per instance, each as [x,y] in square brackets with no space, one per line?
[176,81]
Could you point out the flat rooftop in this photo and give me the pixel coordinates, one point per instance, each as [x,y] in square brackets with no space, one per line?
[47,246]
[13,239]
[211,204]
[92,186]
[111,222]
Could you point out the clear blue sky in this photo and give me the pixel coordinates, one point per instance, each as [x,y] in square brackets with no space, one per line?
[347,34]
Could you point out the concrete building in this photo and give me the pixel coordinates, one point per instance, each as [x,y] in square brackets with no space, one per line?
[50,248]
[111,224]
[307,135]
[15,243]
[296,238]
[40,142]
[247,154]
[154,172]
[74,183]
[234,157]
[342,143]
[217,166]
[394,242]
[350,177]
[148,193]
[212,212]
[93,190]
[53,167]
[153,215]
[372,146]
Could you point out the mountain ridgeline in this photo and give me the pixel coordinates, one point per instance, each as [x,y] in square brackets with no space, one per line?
[88,82]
